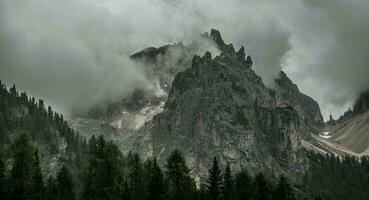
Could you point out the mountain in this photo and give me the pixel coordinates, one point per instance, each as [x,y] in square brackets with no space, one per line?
[214,109]
[218,106]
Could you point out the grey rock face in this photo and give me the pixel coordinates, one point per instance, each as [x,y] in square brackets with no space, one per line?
[308,108]
[220,107]
[362,103]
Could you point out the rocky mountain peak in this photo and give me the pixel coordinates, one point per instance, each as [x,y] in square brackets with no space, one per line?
[219,106]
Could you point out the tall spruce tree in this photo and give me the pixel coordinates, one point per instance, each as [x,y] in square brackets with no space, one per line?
[180,184]
[156,182]
[24,174]
[201,193]
[37,179]
[65,184]
[227,186]
[104,174]
[51,189]
[3,185]
[243,186]
[136,181]
[263,189]
[214,181]
[284,190]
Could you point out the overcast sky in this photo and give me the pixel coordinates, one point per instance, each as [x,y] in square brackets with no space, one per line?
[74,53]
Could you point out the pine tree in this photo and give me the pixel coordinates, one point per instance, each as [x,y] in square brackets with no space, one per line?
[284,190]
[65,184]
[180,184]
[51,189]
[201,194]
[242,186]
[104,174]
[22,173]
[156,185]
[37,179]
[214,182]
[263,190]
[318,198]
[227,188]
[137,184]
[3,185]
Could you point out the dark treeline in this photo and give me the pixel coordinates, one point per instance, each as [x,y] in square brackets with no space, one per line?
[98,170]
[110,175]
[18,112]
[338,178]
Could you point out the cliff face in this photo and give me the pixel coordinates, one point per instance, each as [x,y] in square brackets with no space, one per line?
[308,108]
[220,107]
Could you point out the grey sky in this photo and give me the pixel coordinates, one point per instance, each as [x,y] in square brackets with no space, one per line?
[74,53]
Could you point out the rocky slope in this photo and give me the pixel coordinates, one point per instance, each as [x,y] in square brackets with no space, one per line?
[219,107]
[349,135]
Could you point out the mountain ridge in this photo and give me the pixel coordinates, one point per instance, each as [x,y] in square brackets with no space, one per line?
[219,105]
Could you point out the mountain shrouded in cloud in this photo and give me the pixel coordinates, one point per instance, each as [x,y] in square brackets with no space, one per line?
[75,54]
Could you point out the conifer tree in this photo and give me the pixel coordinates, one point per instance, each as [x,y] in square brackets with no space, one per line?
[156,185]
[201,193]
[227,188]
[3,191]
[180,184]
[65,184]
[136,180]
[243,186]
[214,182]
[104,174]
[22,173]
[284,190]
[37,179]
[51,189]
[263,189]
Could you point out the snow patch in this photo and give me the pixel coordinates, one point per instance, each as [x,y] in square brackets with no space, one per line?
[325,135]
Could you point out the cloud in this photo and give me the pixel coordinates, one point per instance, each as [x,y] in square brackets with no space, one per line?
[330,46]
[73,60]
[74,53]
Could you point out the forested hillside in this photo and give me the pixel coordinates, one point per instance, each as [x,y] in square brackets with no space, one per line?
[110,175]
[54,138]
[338,178]
[97,169]
[34,138]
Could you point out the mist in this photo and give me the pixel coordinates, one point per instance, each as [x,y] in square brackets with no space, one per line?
[75,53]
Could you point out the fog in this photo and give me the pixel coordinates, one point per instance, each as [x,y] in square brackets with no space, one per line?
[74,53]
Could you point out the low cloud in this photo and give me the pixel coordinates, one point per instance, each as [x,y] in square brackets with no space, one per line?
[74,53]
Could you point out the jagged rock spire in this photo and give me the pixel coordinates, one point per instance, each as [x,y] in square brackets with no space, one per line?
[241,53]
[217,38]
[249,62]
[207,56]
[196,60]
